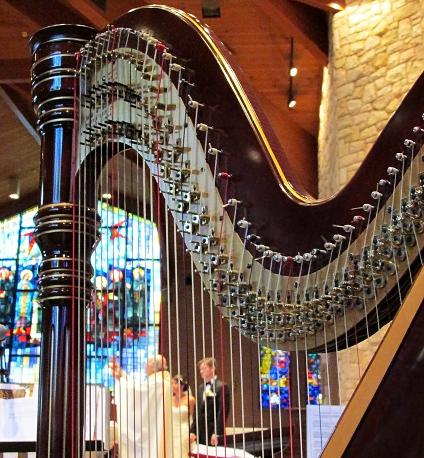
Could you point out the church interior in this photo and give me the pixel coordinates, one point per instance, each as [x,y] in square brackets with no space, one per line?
[211,220]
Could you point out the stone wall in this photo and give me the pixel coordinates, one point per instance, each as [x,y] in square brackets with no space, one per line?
[376,54]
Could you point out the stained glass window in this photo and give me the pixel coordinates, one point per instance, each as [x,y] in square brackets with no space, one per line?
[275,378]
[314,379]
[275,366]
[124,319]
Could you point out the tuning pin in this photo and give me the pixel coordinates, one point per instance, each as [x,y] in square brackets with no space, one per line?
[261,248]
[167,56]
[409,143]
[177,68]
[243,224]
[308,257]
[366,207]
[204,127]
[400,157]
[392,171]
[347,227]
[383,182]
[213,151]
[278,257]
[329,246]
[232,203]
[194,104]
[224,175]
[253,237]
[376,195]
[339,238]
[298,258]
[417,130]
[358,219]
[318,252]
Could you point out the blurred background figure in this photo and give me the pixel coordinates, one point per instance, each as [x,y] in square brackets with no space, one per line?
[183,404]
[144,410]
[213,405]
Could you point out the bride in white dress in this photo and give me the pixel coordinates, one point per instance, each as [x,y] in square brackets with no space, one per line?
[182,413]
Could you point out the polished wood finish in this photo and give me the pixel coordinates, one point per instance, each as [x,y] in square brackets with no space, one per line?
[64,284]
[383,416]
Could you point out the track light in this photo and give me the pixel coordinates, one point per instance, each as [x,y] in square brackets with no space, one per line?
[291,102]
[15,189]
[293,71]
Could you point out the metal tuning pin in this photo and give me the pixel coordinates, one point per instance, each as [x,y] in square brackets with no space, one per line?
[168,56]
[194,104]
[177,68]
[232,203]
[329,246]
[261,248]
[213,151]
[253,237]
[278,257]
[346,227]
[400,157]
[383,182]
[358,219]
[339,238]
[409,143]
[376,195]
[243,224]
[417,130]
[203,127]
[298,258]
[392,171]
[308,257]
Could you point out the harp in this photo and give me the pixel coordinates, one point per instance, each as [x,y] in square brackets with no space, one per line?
[134,107]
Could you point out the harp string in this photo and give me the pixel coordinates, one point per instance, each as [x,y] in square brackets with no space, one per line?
[301,286]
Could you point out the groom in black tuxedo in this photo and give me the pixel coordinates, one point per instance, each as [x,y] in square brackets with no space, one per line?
[212,405]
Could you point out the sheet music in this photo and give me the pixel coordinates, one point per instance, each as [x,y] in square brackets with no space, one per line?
[18,419]
[320,423]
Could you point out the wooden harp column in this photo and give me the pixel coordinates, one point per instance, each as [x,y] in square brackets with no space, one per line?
[66,233]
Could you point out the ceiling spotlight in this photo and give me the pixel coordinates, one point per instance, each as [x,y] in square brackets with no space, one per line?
[291,101]
[15,189]
[106,196]
[211,8]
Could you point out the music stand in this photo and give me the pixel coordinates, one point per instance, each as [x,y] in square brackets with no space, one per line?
[4,373]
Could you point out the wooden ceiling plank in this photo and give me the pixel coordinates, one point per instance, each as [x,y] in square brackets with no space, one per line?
[43,13]
[15,71]
[91,12]
[16,100]
[307,24]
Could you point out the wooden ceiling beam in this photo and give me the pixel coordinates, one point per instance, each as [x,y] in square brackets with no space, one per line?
[305,23]
[18,99]
[15,71]
[44,13]
[86,8]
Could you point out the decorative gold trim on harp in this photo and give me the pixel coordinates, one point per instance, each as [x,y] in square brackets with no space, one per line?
[244,101]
